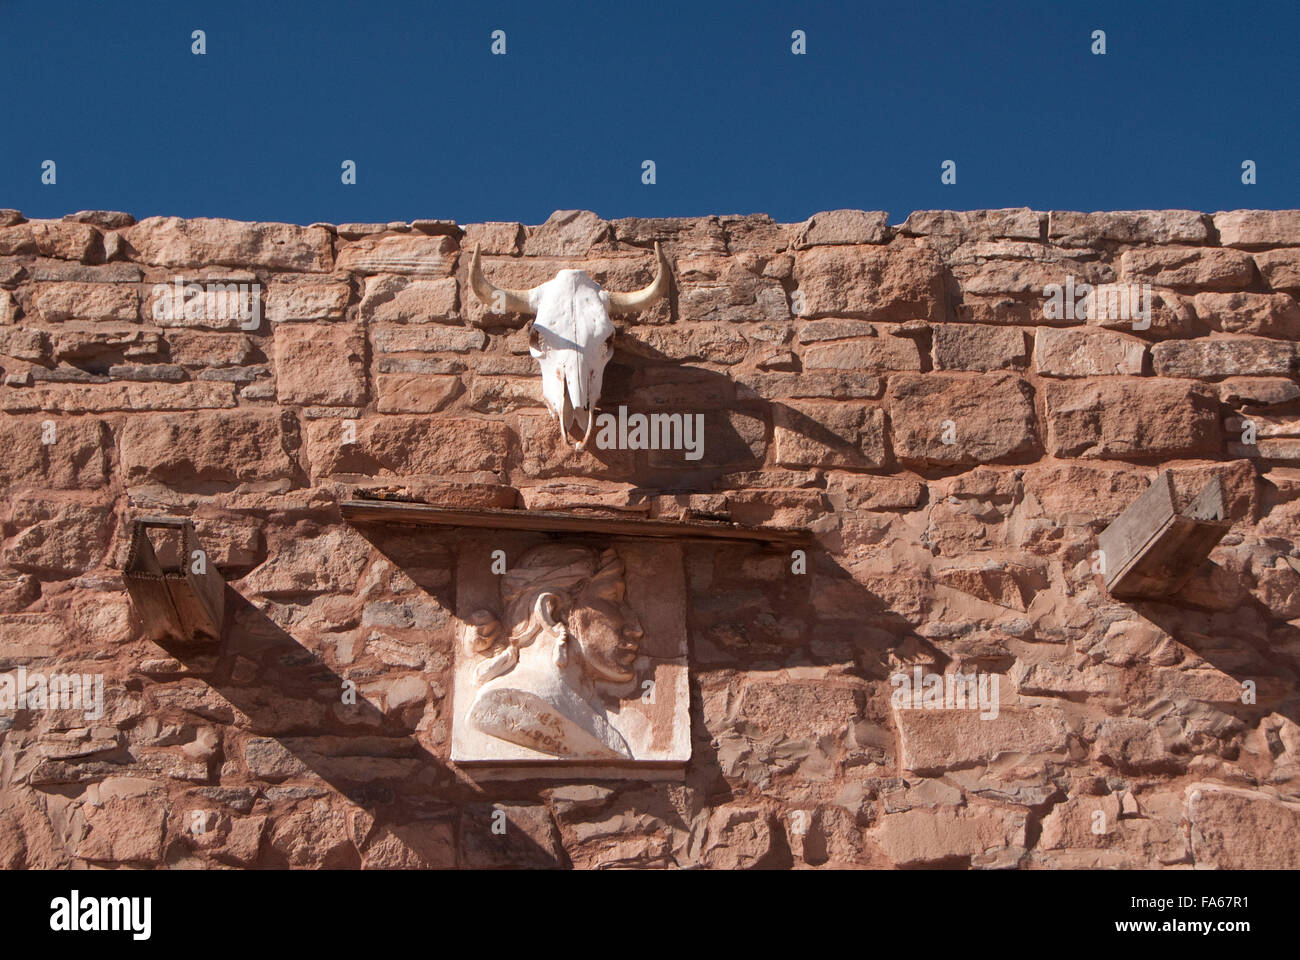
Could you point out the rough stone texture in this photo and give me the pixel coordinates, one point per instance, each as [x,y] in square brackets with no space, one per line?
[211,447]
[829,360]
[1131,418]
[978,347]
[1073,229]
[895,282]
[320,365]
[984,419]
[842,226]
[1087,353]
[173,242]
[1205,268]
[1211,359]
[1258,228]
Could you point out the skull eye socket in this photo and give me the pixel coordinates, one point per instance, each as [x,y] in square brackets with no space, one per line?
[534,338]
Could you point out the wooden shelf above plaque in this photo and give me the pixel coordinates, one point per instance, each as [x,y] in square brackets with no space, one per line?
[548,521]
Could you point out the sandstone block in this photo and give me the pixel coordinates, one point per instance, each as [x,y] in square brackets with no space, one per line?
[174,242]
[58,302]
[1280,268]
[1227,357]
[872,354]
[942,739]
[55,537]
[406,445]
[979,836]
[306,301]
[320,365]
[1207,268]
[842,226]
[829,435]
[1235,829]
[894,282]
[1258,228]
[1126,418]
[77,457]
[78,398]
[987,418]
[959,346]
[397,300]
[566,233]
[1264,314]
[184,450]
[414,254]
[416,393]
[1087,353]
[1072,229]
[433,338]
[1018,223]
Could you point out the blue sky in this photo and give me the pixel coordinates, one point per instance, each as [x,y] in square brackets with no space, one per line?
[258,127]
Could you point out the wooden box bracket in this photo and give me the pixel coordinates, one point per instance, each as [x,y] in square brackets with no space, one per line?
[183,599]
[547,521]
[1154,547]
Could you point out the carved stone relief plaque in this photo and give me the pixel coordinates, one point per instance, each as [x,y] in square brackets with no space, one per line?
[575,654]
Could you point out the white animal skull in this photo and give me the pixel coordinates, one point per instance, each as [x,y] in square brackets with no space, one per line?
[571,335]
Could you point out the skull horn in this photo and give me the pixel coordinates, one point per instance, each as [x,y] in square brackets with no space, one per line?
[514,301]
[640,299]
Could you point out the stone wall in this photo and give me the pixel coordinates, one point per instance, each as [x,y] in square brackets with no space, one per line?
[898,389]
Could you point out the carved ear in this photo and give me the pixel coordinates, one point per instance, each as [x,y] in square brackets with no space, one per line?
[547,609]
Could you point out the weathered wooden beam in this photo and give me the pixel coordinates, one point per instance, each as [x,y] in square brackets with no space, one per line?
[1153,548]
[384,511]
[184,600]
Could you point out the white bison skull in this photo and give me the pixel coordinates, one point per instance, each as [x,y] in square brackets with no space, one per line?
[570,335]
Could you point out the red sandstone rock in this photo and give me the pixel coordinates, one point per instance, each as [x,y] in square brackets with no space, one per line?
[1265,314]
[1128,418]
[190,450]
[960,346]
[1018,223]
[787,682]
[842,226]
[87,301]
[1208,268]
[975,836]
[76,455]
[1087,353]
[986,418]
[56,538]
[1234,828]
[894,282]
[418,393]
[316,365]
[874,354]
[306,300]
[405,446]
[566,233]
[173,242]
[1228,357]
[395,300]
[1258,228]
[1127,226]
[830,435]
[1280,268]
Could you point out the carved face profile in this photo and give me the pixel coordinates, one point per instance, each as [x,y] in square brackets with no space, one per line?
[566,641]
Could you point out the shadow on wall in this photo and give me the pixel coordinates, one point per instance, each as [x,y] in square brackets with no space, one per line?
[723,818]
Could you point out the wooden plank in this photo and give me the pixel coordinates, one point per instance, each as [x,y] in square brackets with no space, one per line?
[1152,549]
[386,511]
[1132,533]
